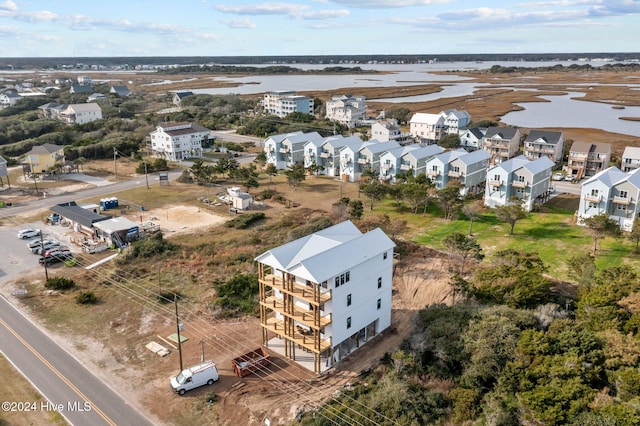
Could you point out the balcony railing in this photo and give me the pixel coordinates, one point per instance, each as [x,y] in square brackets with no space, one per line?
[300,314]
[454,174]
[405,166]
[363,160]
[284,150]
[433,172]
[386,166]
[593,198]
[312,293]
[622,200]
[494,182]
[308,341]
[325,155]
[519,184]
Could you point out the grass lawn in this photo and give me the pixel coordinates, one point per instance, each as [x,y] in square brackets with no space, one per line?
[551,232]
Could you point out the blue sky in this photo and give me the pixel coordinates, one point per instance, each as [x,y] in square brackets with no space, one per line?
[71,28]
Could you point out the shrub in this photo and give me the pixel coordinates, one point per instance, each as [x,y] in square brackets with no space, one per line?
[87,298]
[59,283]
[168,296]
[238,294]
[243,221]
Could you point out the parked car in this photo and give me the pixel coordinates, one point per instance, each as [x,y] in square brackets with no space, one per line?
[55,257]
[569,178]
[59,249]
[31,245]
[28,233]
[558,176]
[202,374]
[46,246]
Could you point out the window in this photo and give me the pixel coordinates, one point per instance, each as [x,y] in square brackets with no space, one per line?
[346,276]
[348,300]
[341,279]
[621,207]
[594,192]
[496,177]
[379,303]
[623,194]
[348,322]
[384,255]
[520,178]
[337,282]
[593,205]
[379,282]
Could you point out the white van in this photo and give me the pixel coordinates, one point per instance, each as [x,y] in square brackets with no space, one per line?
[199,375]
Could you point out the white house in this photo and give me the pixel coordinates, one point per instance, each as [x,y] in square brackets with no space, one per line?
[349,110]
[388,130]
[326,294]
[284,102]
[518,177]
[80,113]
[470,170]
[455,121]
[272,147]
[391,160]
[437,167]
[540,143]
[9,98]
[471,139]
[415,161]
[350,169]
[502,143]
[330,152]
[426,128]
[369,155]
[179,141]
[630,159]
[292,147]
[612,192]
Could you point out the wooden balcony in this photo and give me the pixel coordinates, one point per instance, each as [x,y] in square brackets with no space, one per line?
[519,184]
[283,150]
[307,341]
[405,167]
[453,174]
[433,172]
[312,294]
[593,198]
[325,155]
[363,160]
[622,200]
[386,166]
[496,183]
[300,314]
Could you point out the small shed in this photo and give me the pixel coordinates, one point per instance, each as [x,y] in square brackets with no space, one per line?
[239,200]
[117,230]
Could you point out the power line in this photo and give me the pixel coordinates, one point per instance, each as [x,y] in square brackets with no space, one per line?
[143,298]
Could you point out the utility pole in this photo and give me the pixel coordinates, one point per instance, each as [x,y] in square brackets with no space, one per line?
[115,168]
[175,301]
[202,344]
[44,262]
[35,182]
[146,176]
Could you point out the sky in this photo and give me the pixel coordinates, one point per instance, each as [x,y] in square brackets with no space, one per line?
[104,28]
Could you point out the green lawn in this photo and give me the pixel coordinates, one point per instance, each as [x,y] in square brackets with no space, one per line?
[552,233]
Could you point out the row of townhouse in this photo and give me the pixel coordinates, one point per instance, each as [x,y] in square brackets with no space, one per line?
[612,192]
[348,157]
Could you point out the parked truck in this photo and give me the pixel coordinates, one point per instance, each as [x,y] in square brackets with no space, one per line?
[250,362]
[202,374]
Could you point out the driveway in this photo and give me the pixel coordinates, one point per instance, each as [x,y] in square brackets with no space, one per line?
[80,177]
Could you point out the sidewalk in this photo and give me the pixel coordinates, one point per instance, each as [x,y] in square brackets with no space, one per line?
[86,178]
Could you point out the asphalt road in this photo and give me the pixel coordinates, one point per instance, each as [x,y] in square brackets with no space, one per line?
[68,387]
[45,203]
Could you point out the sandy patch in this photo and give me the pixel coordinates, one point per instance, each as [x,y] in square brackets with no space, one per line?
[177,220]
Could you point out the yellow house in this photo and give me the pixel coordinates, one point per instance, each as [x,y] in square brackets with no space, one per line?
[45,156]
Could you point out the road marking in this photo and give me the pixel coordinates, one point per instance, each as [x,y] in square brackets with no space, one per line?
[94,407]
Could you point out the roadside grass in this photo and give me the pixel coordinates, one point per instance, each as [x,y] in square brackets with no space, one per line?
[15,388]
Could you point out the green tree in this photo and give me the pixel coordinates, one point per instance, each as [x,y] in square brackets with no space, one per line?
[416,194]
[511,212]
[356,209]
[315,168]
[374,190]
[271,170]
[600,226]
[583,268]
[472,211]
[464,246]
[448,198]
[340,207]
[295,174]
[449,141]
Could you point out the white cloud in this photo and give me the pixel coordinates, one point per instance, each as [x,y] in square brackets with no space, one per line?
[388,4]
[8,6]
[240,23]
[296,11]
